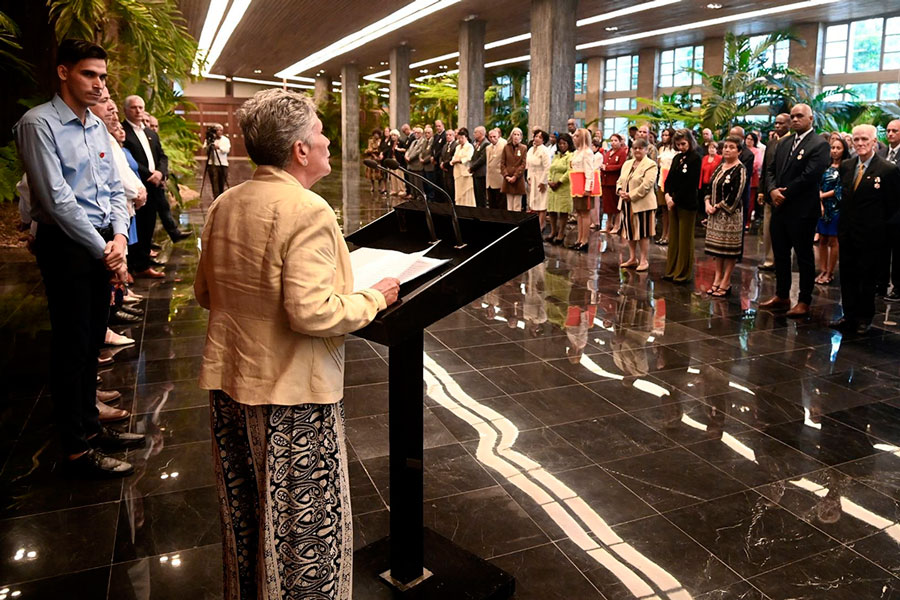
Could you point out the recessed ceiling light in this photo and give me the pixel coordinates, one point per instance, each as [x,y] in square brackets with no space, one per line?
[614,28]
[382,63]
[714,5]
[257,71]
[423,70]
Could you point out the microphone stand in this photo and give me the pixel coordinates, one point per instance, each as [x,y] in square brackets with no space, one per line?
[428,219]
[393,164]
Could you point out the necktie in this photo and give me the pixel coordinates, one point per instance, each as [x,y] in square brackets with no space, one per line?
[893,155]
[796,143]
[859,174]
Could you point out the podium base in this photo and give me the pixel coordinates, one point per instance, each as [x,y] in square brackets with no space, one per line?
[455,574]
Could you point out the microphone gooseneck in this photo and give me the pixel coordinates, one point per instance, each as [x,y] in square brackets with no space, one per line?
[428,219]
[393,164]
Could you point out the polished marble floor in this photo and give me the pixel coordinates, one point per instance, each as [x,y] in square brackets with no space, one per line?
[598,433]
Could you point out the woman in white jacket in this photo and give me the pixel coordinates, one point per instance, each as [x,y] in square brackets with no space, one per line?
[462,178]
[537,165]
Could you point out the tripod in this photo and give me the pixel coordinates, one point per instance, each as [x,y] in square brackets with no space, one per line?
[211,151]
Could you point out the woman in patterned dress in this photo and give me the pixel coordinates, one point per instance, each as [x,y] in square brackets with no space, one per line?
[830,199]
[725,225]
[280,301]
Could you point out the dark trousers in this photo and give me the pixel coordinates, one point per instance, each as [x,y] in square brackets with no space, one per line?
[432,185]
[139,253]
[680,255]
[889,261]
[157,197]
[792,233]
[480,184]
[859,275]
[414,182]
[218,179]
[78,293]
[496,199]
[449,184]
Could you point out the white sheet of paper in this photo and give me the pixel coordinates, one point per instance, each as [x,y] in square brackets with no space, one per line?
[371,265]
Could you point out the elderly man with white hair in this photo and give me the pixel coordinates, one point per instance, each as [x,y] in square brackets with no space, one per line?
[869,185]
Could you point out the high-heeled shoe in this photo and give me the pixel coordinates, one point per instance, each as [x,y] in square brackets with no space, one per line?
[722,292]
[712,290]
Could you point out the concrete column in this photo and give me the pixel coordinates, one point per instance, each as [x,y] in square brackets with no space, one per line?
[471,74]
[399,101]
[807,59]
[552,95]
[713,55]
[322,88]
[229,87]
[349,114]
[594,94]
[647,76]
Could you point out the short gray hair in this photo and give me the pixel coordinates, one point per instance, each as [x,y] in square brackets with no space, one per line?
[272,120]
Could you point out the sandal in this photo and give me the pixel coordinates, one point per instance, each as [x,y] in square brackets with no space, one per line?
[722,292]
[712,290]
[825,280]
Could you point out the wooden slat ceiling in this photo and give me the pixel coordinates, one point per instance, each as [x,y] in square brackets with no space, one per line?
[277,33]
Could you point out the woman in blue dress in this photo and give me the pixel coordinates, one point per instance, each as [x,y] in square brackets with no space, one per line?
[830,199]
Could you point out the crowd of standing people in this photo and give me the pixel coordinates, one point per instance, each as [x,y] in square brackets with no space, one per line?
[644,191]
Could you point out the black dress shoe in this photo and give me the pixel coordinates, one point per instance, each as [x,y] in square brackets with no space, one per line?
[155,247]
[179,235]
[843,324]
[110,439]
[94,463]
[863,328]
[132,310]
[120,317]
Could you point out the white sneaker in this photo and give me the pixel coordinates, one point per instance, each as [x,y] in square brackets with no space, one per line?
[114,339]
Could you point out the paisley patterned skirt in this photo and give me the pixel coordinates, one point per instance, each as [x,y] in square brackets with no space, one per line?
[725,234]
[284,500]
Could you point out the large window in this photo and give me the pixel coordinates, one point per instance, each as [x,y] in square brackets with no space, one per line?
[620,104]
[613,125]
[672,65]
[865,92]
[862,46]
[621,74]
[778,58]
[581,78]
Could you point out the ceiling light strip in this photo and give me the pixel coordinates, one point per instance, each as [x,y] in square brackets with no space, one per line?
[422,63]
[754,14]
[624,11]
[507,61]
[298,86]
[210,26]
[401,18]
[232,19]
[506,41]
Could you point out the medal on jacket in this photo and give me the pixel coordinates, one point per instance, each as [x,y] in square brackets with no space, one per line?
[877,183]
[800,154]
[728,178]
[617,158]
[518,152]
[684,168]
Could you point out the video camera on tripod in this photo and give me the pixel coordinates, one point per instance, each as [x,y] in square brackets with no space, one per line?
[211,135]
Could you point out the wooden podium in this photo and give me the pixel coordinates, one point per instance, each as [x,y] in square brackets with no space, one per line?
[415,562]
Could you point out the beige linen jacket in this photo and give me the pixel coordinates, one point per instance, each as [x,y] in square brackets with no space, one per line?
[494,178]
[275,275]
[639,180]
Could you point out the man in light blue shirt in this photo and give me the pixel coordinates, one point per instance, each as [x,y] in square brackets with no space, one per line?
[78,201]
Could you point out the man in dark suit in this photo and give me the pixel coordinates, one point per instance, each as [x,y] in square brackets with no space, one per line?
[793,187]
[153,168]
[437,148]
[446,169]
[869,186]
[782,129]
[478,167]
[889,269]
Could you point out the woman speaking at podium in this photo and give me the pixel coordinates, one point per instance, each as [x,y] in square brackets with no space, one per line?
[275,275]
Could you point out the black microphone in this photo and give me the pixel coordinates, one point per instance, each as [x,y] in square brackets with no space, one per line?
[428,220]
[393,164]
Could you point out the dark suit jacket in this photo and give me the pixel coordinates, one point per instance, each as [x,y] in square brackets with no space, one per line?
[478,166]
[447,155]
[883,153]
[137,151]
[800,172]
[440,140]
[683,180]
[865,212]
